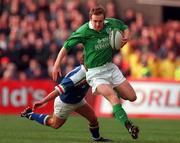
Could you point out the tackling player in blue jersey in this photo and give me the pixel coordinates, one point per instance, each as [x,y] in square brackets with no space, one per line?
[69,96]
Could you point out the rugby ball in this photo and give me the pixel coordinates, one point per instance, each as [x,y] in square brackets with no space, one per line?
[115,39]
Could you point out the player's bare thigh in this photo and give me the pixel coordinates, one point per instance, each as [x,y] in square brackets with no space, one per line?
[126,91]
[107,91]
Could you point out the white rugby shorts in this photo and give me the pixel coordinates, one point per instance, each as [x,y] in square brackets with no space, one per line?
[106,74]
[63,110]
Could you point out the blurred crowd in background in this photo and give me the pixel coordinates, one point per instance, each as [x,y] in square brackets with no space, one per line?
[33,31]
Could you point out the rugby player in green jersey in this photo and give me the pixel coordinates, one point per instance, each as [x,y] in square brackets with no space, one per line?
[102,75]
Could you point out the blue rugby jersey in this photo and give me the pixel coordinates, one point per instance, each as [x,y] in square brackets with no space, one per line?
[73,87]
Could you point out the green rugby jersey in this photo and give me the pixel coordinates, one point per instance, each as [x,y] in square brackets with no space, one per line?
[97,50]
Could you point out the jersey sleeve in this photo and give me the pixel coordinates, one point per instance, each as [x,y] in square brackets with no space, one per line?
[73,40]
[77,37]
[116,23]
[71,80]
[65,85]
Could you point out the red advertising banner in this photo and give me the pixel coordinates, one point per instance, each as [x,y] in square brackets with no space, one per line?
[17,95]
[155,98]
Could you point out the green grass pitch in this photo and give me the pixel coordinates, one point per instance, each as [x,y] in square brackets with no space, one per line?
[14,129]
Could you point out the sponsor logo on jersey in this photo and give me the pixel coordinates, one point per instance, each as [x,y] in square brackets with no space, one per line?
[102,43]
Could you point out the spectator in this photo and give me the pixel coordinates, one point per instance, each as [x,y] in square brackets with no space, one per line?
[10,72]
[168,66]
[165,48]
[153,64]
[177,73]
[35,30]
[4,61]
[35,70]
[145,71]
[130,16]
[22,76]
[111,10]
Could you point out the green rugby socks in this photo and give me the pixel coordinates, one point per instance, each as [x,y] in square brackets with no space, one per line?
[120,114]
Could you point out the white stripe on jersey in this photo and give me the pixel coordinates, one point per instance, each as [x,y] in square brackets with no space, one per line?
[78,76]
[60,89]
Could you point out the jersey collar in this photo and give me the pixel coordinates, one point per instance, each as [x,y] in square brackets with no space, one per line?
[91,26]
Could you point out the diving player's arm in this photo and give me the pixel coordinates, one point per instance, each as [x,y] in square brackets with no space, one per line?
[46,99]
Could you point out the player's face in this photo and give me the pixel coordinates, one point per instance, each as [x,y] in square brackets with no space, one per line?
[97,22]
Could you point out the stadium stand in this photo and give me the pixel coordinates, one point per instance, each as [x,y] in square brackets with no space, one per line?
[32,32]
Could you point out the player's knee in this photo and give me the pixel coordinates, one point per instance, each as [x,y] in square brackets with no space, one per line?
[133,98]
[54,126]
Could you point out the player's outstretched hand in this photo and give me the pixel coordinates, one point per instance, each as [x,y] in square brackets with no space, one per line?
[37,104]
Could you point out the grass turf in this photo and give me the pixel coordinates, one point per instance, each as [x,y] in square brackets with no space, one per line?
[14,129]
